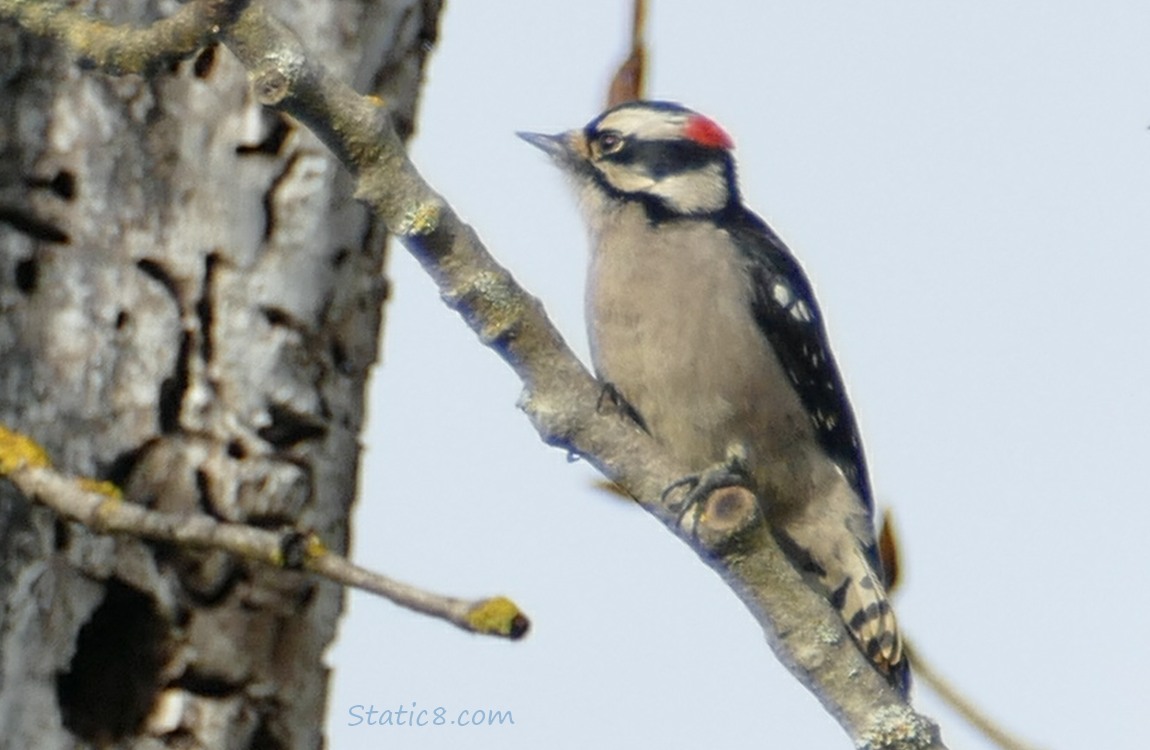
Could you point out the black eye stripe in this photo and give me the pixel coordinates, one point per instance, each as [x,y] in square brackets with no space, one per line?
[663,158]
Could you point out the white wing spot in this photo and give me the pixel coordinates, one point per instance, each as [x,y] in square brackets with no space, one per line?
[825,420]
[801,312]
[782,294]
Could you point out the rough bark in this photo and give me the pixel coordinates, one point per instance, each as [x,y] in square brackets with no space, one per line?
[189,307]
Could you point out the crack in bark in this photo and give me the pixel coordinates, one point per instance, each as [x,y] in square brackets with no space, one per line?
[27,275]
[273,142]
[205,62]
[269,201]
[277,317]
[173,388]
[289,427]
[155,270]
[33,226]
[205,307]
[62,185]
[206,685]
[119,471]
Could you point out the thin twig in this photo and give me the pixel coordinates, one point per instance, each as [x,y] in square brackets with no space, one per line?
[100,507]
[954,698]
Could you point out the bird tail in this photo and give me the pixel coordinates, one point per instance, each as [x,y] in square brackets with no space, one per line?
[862,602]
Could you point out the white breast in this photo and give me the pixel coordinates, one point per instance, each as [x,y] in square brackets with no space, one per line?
[672,328]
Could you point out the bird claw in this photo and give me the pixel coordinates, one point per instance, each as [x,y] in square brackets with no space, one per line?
[731,473]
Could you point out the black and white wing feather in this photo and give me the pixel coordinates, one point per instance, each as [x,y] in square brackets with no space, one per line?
[785,308]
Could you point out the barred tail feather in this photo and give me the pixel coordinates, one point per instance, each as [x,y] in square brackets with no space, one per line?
[864,607]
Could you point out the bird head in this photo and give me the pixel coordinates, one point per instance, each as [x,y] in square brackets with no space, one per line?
[674,160]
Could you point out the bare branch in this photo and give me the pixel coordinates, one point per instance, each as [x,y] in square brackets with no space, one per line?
[123,49]
[100,507]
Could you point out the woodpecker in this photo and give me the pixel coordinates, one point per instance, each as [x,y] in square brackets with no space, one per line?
[705,325]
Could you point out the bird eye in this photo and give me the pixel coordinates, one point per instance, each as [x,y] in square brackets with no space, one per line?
[609,143]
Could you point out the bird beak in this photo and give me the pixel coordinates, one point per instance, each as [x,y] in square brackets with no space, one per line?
[565,149]
[554,146]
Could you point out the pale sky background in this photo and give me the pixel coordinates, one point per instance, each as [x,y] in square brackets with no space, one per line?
[968,185]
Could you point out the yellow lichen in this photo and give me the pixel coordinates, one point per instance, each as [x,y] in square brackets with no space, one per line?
[420,219]
[105,512]
[314,547]
[108,508]
[102,487]
[18,451]
[496,616]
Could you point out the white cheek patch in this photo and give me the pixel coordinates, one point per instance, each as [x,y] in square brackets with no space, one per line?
[695,192]
[626,178]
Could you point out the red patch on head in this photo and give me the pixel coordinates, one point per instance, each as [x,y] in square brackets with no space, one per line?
[706,132]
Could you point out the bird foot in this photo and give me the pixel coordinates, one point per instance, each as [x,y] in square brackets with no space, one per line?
[731,473]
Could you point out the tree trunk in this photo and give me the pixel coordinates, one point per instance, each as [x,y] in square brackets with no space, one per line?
[189,307]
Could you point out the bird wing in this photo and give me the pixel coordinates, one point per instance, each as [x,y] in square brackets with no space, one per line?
[784,306]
